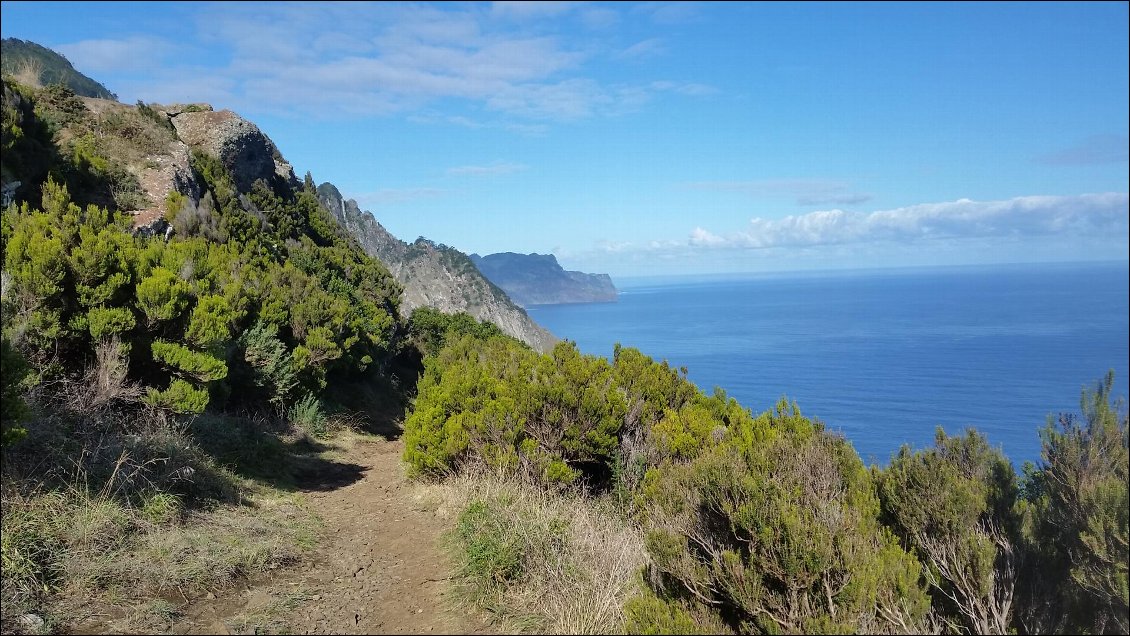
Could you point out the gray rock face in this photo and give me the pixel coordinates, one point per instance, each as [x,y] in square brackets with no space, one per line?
[238,143]
[435,276]
[536,279]
[167,172]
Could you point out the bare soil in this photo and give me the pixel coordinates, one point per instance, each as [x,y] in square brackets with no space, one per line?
[379,569]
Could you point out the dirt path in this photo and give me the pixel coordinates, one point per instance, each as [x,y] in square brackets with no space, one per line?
[378,570]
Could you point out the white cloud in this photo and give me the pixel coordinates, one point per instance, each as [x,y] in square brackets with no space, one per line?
[669,12]
[705,238]
[524,10]
[518,61]
[566,100]
[390,196]
[643,49]
[178,89]
[126,54]
[490,170]
[1022,229]
[1087,214]
[685,88]
[529,130]
[613,247]
[833,198]
[805,191]
[599,17]
[1094,150]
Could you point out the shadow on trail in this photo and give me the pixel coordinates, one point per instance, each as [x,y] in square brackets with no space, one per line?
[316,474]
[378,404]
[263,448]
[249,451]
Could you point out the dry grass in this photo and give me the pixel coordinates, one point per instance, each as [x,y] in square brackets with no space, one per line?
[544,562]
[207,550]
[97,521]
[270,617]
[29,72]
[129,135]
[104,384]
[68,550]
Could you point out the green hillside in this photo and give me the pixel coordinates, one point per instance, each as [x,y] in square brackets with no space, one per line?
[24,60]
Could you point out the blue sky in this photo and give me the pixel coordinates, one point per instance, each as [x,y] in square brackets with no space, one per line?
[662,138]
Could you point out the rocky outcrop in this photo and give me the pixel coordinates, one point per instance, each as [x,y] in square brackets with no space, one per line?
[435,276]
[165,173]
[244,150]
[537,279]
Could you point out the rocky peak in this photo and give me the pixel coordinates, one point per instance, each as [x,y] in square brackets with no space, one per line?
[244,150]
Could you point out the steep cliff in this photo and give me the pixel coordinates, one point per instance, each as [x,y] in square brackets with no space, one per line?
[536,279]
[435,276]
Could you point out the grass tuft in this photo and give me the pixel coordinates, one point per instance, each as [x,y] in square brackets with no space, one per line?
[541,562]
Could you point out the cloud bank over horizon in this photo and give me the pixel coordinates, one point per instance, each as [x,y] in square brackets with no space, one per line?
[1028,228]
[1094,214]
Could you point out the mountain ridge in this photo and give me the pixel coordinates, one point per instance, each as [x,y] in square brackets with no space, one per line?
[29,62]
[538,279]
[435,275]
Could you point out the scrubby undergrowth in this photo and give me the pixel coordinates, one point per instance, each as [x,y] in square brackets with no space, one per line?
[95,520]
[759,523]
[552,563]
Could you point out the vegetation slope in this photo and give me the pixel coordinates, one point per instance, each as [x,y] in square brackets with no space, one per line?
[151,382]
[162,393]
[760,523]
[38,65]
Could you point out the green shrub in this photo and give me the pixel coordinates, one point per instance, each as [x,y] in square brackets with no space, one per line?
[59,106]
[954,505]
[175,202]
[307,416]
[13,370]
[162,296]
[211,322]
[429,328]
[160,119]
[180,397]
[649,614]
[492,553]
[1078,525]
[782,535]
[269,361]
[161,507]
[504,405]
[104,322]
[200,367]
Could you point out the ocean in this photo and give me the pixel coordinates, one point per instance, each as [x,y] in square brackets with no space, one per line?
[882,356]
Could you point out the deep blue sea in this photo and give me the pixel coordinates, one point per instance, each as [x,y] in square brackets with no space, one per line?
[882,356]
